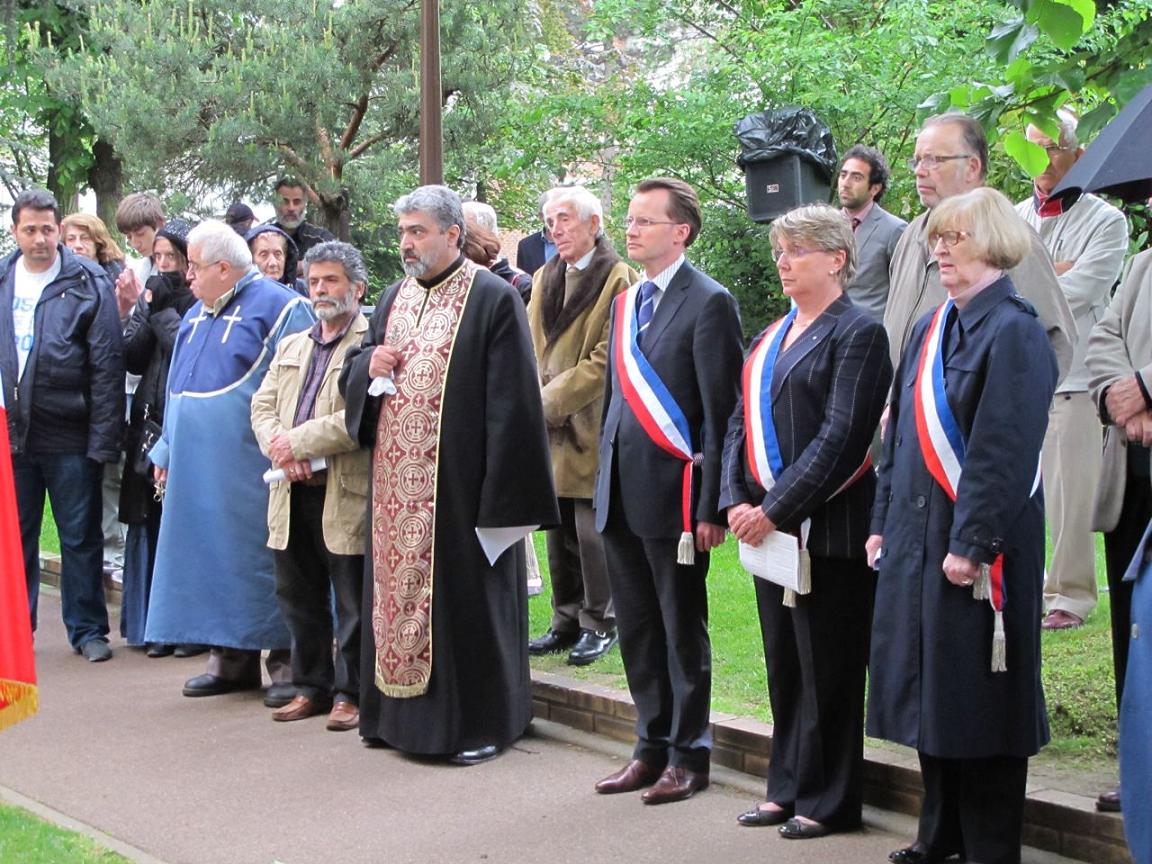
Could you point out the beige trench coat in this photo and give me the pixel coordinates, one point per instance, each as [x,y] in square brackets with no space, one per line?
[273,408]
[572,384]
[1120,345]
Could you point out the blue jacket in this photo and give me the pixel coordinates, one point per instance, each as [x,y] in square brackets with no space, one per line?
[71,396]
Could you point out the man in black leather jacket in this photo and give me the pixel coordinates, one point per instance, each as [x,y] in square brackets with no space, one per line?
[62,369]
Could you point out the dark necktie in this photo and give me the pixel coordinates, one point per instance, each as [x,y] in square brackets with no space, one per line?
[855,223]
[646,308]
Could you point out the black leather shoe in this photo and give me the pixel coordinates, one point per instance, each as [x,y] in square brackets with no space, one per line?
[758,817]
[794,829]
[279,695]
[214,685]
[591,646]
[190,650]
[552,642]
[1109,802]
[159,649]
[918,853]
[475,757]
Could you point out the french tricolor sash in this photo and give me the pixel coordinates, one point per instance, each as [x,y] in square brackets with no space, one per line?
[655,408]
[762,445]
[942,445]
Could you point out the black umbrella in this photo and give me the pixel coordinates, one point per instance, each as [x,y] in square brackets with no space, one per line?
[1119,161]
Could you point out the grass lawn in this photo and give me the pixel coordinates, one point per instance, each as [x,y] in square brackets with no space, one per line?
[29,839]
[1077,668]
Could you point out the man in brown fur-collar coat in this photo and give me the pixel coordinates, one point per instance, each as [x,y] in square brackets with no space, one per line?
[568,315]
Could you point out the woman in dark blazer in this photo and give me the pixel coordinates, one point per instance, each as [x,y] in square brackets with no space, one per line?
[959,530]
[824,380]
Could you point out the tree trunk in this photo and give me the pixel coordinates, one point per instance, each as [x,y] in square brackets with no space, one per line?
[66,194]
[106,177]
[334,211]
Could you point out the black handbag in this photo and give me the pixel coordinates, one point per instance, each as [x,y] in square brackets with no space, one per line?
[150,432]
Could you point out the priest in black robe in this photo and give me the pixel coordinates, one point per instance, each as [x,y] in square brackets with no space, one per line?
[444,391]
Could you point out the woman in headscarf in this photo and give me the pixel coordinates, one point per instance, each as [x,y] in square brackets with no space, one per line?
[149,338]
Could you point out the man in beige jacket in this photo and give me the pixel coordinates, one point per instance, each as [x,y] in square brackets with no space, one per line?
[1119,361]
[318,501]
[568,317]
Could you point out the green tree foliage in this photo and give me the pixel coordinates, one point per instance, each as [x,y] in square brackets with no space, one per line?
[654,86]
[217,95]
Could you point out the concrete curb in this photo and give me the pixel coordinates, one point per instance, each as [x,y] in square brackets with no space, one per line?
[60,820]
[1054,821]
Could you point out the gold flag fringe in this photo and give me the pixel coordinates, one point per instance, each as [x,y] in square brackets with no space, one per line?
[18,701]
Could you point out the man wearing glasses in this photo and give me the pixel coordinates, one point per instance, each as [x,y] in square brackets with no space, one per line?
[675,353]
[951,158]
[214,581]
[1087,240]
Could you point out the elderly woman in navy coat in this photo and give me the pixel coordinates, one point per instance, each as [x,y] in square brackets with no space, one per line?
[958,538]
[814,385]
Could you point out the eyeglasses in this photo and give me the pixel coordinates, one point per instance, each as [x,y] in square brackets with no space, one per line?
[948,238]
[777,254]
[644,222]
[194,267]
[929,161]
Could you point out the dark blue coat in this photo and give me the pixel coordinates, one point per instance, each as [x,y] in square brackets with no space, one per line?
[932,687]
[71,396]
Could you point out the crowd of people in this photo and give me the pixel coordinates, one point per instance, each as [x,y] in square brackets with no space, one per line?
[885,455]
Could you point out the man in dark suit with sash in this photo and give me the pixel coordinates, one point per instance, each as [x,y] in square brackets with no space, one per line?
[673,373]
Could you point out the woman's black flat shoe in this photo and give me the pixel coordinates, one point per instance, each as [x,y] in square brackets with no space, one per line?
[757,817]
[794,829]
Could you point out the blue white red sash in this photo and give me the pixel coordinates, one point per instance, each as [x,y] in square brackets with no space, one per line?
[655,408]
[762,445]
[942,445]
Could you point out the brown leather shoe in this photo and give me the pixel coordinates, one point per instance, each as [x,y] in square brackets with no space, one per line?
[675,784]
[633,776]
[345,717]
[300,708]
[1059,619]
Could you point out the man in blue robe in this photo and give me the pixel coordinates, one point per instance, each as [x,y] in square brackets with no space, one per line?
[214,581]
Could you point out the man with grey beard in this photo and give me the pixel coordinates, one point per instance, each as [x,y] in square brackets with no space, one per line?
[444,390]
[318,500]
[291,202]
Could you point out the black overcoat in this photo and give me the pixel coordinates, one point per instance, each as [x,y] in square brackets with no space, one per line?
[932,687]
[493,471]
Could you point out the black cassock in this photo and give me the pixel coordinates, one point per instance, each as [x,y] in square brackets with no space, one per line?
[493,471]
[931,684]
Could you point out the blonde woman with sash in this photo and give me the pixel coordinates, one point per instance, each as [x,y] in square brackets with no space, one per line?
[958,538]
[796,462]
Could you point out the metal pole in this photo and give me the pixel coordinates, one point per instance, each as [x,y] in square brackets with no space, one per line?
[431,136]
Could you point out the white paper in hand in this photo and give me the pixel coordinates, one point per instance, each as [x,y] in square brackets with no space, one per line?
[776,559]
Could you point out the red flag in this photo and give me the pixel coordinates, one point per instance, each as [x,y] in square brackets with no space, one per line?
[18,698]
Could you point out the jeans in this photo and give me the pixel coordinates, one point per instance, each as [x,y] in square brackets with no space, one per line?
[73,484]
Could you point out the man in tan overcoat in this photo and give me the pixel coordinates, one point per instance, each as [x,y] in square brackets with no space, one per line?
[1119,361]
[316,511]
[568,315]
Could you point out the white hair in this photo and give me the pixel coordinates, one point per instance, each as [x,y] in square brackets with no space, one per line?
[587,204]
[1068,123]
[482,214]
[219,242]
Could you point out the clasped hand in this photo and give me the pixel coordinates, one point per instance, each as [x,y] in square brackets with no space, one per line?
[749,524]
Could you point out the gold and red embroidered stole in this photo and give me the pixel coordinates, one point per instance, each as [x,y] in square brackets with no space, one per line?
[422,325]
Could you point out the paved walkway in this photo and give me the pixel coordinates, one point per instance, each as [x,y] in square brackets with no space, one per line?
[118,752]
